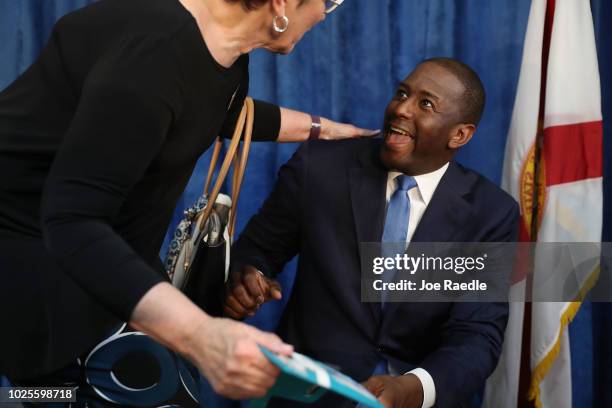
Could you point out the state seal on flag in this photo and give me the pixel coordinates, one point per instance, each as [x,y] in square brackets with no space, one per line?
[529,188]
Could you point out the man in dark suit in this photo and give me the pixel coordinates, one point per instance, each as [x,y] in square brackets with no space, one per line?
[330,197]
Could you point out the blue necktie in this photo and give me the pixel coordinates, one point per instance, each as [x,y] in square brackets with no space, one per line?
[396,223]
[394,237]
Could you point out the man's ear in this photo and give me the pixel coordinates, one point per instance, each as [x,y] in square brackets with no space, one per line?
[461,135]
[278,7]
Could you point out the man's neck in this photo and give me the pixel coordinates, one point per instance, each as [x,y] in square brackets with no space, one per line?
[421,170]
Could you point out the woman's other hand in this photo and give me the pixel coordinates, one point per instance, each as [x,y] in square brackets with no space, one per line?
[298,127]
[331,130]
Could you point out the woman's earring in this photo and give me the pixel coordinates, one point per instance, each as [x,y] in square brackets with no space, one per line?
[284,24]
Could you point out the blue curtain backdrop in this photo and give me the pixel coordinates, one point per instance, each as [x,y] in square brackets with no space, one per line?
[346,69]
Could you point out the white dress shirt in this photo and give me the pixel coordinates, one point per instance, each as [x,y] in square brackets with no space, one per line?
[419,196]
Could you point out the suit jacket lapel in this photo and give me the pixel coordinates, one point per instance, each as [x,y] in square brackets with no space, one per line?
[448,210]
[367,187]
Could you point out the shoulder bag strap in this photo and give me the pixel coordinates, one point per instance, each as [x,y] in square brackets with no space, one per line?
[231,152]
[213,164]
[240,164]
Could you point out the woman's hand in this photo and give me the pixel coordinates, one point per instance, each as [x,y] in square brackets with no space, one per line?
[226,352]
[231,360]
[331,130]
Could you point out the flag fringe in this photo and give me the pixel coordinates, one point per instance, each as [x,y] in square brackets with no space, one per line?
[543,367]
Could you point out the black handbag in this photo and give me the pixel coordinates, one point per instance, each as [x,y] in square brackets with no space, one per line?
[198,257]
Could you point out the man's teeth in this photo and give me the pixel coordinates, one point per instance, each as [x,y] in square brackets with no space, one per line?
[400,131]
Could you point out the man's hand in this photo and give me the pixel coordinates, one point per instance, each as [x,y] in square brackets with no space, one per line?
[247,290]
[405,391]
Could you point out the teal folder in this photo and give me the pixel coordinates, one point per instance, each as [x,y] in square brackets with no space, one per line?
[306,380]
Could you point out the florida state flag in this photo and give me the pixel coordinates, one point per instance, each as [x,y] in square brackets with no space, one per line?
[553,168]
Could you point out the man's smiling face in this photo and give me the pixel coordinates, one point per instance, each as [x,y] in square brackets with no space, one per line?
[420,120]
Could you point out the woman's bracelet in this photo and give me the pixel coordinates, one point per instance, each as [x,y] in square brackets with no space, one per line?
[315,127]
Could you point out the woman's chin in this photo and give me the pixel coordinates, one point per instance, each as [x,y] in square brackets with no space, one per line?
[281,49]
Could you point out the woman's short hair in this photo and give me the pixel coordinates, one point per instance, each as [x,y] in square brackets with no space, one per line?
[249,4]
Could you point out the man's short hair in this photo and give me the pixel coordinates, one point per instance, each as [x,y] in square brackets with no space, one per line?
[473,99]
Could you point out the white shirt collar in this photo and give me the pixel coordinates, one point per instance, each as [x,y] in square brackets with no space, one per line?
[427,183]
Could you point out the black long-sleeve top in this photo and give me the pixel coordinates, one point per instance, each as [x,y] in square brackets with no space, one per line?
[99,136]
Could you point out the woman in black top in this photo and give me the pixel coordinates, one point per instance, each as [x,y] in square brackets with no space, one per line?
[98,139]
